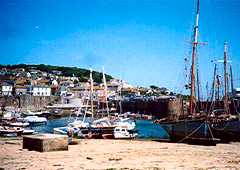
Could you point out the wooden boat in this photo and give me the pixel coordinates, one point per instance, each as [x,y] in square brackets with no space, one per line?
[185,130]
[227,130]
[225,123]
[190,129]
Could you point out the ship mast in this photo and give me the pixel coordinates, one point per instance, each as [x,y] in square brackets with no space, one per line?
[231,76]
[91,91]
[105,91]
[225,79]
[214,82]
[194,51]
[198,92]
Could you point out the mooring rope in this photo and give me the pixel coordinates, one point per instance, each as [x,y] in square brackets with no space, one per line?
[194,131]
[210,131]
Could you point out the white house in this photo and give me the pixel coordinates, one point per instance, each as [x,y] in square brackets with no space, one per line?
[55,83]
[40,91]
[6,89]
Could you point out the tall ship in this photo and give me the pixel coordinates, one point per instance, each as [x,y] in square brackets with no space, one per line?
[218,122]
[224,113]
[194,126]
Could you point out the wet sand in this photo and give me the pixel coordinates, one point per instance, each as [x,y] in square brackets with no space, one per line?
[122,154]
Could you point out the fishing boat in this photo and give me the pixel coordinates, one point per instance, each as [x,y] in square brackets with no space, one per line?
[35,120]
[124,133]
[193,128]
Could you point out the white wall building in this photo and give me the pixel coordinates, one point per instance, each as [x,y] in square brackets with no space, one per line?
[6,89]
[40,91]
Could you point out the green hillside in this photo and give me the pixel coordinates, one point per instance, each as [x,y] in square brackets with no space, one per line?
[82,74]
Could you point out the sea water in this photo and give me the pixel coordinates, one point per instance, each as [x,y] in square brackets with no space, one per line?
[146,129]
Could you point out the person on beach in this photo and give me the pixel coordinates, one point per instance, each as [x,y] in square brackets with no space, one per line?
[70,135]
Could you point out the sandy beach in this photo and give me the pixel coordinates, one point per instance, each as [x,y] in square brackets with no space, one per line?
[122,154]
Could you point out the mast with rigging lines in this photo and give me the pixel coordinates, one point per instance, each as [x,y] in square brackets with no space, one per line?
[91,91]
[226,107]
[194,52]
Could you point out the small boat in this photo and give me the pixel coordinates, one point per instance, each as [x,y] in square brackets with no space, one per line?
[124,133]
[19,124]
[125,122]
[10,115]
[35,119]
[28,132]
[107,136]
[7,116]
[16,131]
[79,124]
[65,130]
[105,125]
[30,113]
[103,122]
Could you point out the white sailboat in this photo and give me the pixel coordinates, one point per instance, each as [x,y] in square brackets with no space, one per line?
[35,119]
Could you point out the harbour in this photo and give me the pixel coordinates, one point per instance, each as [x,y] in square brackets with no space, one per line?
[146,129]
[120,85]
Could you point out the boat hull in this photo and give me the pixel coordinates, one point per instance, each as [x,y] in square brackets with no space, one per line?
[188,131]
[227,130]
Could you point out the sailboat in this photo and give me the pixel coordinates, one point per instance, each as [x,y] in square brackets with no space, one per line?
[78,124]
[193,128]
[108,124]
[224,124]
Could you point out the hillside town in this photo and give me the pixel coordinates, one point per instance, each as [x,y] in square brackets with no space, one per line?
[66,90]
[168,98]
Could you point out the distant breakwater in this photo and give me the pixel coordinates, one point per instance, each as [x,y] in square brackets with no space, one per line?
[158,108]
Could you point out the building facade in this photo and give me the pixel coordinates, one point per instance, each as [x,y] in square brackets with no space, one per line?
[40,91]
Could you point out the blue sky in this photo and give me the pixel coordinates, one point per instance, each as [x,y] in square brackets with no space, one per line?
[141,41]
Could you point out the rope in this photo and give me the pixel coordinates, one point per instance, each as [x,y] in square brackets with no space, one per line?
[194,131]
[210,131]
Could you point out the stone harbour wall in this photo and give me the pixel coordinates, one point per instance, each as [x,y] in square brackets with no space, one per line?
[28,102]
